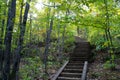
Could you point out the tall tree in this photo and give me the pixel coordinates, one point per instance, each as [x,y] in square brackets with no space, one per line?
[8,39]
[30,28]
[47,43]
[14,74]
[2,35]
[107,24]
[63,35]
[49,31]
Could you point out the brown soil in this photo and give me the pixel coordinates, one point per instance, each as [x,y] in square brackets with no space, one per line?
[97,71]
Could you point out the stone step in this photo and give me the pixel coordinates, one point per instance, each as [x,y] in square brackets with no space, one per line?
[82,47]
[74,52]
[87,47]
[82,54]
[65,74]
[78,57]
[68,78]
[76,63]
[74,66]
[82,43]
[73,70]
[81,50]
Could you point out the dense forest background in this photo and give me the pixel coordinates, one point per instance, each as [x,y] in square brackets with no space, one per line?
[36,36]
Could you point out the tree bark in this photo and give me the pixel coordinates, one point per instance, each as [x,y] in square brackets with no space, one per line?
[2,41]
[47,44]
[63,38]
[78,30]
[108,34]
[30,28]
[58,46]
[8,39]
[14,74]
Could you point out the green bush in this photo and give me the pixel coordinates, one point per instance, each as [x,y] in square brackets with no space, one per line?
[95,75]
[109,65]
[31,68]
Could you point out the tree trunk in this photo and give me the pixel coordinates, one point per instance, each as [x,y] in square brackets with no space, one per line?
[8,39]
[3,27]
[63,38]
[2,41]
[14,74]
[30,28]
[59,44]
[78,30]
[47,44]
[62,45]
[0,45]
[107,25]
[109,34]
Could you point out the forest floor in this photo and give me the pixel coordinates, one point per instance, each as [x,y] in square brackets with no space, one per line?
[97,70]
[31,67]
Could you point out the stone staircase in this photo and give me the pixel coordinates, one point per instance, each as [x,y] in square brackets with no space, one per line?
[73,69]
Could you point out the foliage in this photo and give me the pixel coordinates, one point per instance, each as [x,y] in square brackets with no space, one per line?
[95,75]
[89,19]
[31,68]
[109,65]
